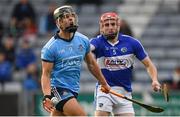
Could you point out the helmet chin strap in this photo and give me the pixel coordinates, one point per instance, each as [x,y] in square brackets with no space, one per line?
[71,29]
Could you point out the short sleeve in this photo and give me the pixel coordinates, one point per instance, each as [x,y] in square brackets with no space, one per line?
[94,42]
[47,55]
[87,44]
[88,47]
[139,50]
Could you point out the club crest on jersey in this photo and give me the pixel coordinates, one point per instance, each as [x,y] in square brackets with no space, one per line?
[124,49]
[80,47]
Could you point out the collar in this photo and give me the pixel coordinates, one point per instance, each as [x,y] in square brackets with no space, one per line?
[56,36]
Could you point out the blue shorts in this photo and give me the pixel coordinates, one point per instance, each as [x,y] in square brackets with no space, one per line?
[63,95]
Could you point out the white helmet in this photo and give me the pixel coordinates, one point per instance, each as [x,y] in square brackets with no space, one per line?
[63,10]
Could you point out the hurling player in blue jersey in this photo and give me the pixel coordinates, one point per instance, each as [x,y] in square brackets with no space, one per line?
[62,58]
[115,55]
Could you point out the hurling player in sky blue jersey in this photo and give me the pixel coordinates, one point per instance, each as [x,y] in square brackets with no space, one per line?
[115,54]
[62,57]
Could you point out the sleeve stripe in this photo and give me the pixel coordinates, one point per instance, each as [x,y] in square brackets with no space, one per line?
[47,61]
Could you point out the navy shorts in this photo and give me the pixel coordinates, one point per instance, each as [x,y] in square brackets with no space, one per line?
[63,95]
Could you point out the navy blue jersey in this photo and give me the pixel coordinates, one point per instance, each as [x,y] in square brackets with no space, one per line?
[116,60]
[67,57]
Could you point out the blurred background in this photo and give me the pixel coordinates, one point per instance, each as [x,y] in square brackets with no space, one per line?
[26,25]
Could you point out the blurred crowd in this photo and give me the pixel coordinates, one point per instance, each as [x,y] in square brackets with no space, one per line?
[18,60]
[174,79]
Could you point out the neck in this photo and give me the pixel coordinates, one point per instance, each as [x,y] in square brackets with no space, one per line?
[65,35]
[113,40]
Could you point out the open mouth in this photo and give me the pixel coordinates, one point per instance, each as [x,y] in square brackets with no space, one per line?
[71,24]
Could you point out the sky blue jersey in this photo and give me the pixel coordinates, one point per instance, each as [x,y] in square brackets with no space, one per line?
[116,60]
[67,57]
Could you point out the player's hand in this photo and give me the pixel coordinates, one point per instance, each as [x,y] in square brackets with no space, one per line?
[105,88]
[48,105]
[156,86]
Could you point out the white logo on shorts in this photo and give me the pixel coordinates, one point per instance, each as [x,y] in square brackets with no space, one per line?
[100,104]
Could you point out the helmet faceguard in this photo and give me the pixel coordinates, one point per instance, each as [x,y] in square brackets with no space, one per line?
[61,12]
[109,16]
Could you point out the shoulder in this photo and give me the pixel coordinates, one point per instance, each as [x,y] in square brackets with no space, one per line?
[129,39]
[50,43]
[98,38]
[81,39]
[126,37]
[81,36]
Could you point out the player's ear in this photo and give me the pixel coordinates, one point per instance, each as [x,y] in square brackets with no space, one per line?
[58,23]
[119,22]
[100,27]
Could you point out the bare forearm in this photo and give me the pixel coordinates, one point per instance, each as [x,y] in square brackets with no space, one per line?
[45,78]
[46,87]
[94,69]
[151,68]
[152,71]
